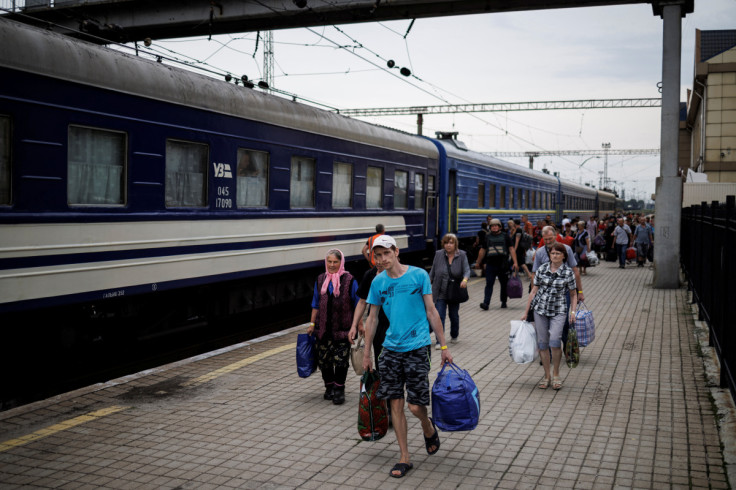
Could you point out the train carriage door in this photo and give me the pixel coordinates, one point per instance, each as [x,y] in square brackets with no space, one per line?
[431,217]
[452,202]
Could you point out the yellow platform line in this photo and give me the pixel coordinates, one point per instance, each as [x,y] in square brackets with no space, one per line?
[237,365]
[53,429]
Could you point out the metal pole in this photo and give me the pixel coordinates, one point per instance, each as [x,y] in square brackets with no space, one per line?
[606,147]
[669,184]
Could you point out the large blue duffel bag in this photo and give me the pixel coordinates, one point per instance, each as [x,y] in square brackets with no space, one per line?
[455,400]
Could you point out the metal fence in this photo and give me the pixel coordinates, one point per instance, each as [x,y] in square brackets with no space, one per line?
[708,243]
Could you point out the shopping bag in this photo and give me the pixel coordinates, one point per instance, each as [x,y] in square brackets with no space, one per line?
[593,259]
[372,412]
[356,355]
[306,355]
[522,342]
[584,325]
[529,256]
[514,289]
[455,399]
[572,349]
[630,253]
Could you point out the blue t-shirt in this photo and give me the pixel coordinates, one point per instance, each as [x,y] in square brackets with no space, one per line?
[403,301]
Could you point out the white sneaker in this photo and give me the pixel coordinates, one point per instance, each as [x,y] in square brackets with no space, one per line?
[437,347]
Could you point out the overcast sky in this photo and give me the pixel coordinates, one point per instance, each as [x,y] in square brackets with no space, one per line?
[570,54]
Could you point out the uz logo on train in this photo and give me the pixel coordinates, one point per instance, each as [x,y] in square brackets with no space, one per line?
[222,170]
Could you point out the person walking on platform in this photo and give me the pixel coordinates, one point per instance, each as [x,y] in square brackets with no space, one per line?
[642,241]
[368,247]
[582,246]
[334,300]
[622,237]
[495,254]
[553,282]
[405,293]
[357,326]
[519,246]
[450,263]
[542,256]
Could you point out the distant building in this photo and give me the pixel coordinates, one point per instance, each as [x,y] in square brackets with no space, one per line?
[708,128]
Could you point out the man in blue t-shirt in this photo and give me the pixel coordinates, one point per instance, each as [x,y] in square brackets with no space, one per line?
[405,294]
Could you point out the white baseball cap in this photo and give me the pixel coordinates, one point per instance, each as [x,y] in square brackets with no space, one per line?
[384,241]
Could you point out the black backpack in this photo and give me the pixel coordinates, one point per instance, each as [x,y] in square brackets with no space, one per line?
[526,241]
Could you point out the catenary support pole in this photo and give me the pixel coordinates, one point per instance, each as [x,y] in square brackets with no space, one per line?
[669,185]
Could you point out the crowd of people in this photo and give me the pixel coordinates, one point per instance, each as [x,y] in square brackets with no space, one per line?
[397,307]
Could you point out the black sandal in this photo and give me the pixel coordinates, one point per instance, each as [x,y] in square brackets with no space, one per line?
[402,468]
[432,441]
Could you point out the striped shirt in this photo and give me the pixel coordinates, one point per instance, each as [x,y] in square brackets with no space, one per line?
[551,299]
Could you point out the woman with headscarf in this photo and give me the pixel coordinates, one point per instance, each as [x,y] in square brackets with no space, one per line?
[333,303]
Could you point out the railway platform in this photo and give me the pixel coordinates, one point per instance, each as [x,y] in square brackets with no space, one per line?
[640,411]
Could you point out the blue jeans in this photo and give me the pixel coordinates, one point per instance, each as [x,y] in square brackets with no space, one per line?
[442,306]
[621,252]
[493,271]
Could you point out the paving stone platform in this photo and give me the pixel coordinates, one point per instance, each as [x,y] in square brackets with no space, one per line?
[636,413]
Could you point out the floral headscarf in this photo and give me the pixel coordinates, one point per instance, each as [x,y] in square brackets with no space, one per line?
[334,278]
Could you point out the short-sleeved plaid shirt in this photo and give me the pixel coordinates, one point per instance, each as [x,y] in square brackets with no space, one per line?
[551,299]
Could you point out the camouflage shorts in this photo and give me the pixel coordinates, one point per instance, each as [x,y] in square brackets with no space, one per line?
[410,369]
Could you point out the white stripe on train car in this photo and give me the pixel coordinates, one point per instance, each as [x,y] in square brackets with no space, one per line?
[44,282]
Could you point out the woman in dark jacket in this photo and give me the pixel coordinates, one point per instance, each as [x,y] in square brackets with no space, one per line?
[333,304]
[450,263]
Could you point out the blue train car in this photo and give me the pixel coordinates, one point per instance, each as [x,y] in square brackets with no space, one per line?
[123,177]
[606,203]
[473,185]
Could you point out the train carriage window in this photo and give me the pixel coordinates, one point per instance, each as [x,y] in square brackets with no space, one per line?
[186,174]
[4,160]
[374,188]
[526,199]
[252,178]
[302,182]
[502,192]
[512,198]
[534,200]
[342,185]
[492,196]
[481,195]
[401,189]
[418,191]
[96,166]
[431,201]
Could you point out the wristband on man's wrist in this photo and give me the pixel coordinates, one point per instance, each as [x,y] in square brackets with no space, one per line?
[444,347]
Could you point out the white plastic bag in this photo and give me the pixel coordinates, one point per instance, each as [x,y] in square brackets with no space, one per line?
[593,259]
[522,342]
[529,257]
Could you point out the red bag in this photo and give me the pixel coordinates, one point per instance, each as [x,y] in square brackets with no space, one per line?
[372,412]
[630,253]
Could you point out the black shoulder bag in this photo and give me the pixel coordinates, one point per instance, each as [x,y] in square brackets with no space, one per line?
[455,294]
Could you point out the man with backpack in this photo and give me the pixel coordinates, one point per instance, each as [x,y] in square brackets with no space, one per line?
[496,256]
[521,241]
